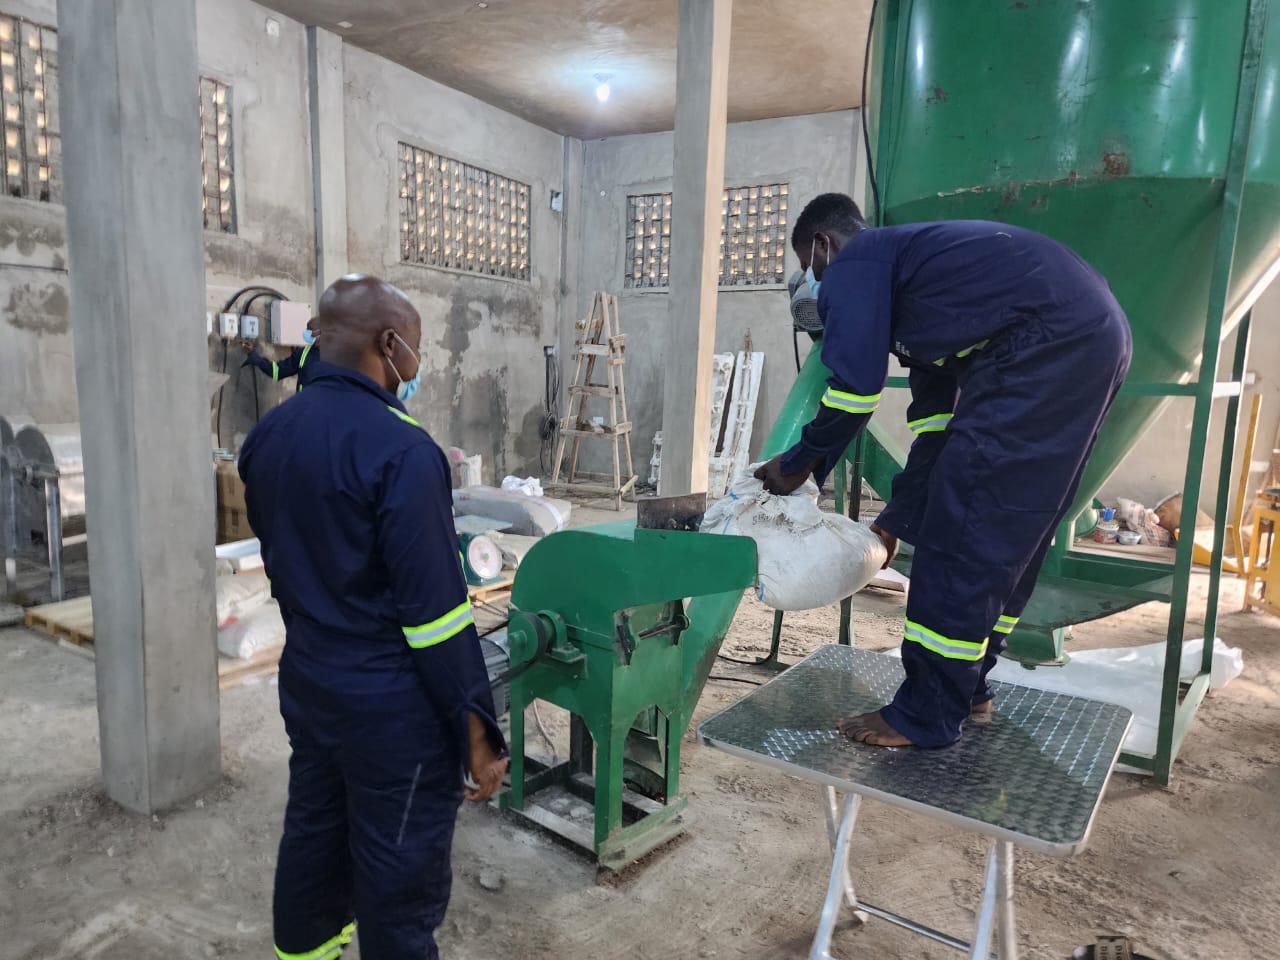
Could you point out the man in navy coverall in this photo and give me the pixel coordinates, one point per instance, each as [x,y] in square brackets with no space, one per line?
[383,686]
[1015,349]
[291,366]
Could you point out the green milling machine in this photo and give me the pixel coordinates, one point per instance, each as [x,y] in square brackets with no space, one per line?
[1141,134]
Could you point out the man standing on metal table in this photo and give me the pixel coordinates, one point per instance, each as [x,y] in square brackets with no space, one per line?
[1015,348]
[383,685]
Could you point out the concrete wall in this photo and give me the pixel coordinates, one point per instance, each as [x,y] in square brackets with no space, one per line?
[482,337]
[37,368]
[814,154]
[273,244]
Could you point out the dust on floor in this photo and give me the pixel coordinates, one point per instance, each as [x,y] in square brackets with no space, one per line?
[1189,871]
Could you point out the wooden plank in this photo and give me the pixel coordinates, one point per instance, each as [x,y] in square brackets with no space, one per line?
[599,431]
[233,671]
[592,389]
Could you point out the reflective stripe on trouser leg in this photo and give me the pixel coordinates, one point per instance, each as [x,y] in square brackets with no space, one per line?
[326,951]
[312,903]
[1005,624]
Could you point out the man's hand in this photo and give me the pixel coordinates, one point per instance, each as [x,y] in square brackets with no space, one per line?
[889,540]
[775,481]
[487,768]
[247,346]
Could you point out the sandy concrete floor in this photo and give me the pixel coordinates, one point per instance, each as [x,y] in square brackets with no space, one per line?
[1189,871]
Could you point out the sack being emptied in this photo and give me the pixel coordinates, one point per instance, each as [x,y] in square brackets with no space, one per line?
[805,558]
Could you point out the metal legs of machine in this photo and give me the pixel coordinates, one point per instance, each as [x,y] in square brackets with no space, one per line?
[601,626]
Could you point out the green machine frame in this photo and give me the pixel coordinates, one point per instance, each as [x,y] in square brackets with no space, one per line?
[1076,587]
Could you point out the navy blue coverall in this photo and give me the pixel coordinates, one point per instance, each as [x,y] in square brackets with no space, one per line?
[1015,349]
[290,366]
[351,500]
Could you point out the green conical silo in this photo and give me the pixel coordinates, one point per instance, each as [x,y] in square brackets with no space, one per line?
[1106,125]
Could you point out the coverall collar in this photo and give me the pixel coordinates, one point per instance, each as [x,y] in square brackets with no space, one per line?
[327,371]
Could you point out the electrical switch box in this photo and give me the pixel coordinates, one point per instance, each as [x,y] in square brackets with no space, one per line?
[289,319]
[229,325]
[249,327]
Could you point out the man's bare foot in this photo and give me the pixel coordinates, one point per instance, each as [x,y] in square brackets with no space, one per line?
[873,730]
[982,712]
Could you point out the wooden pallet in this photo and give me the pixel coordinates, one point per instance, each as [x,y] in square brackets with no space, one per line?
[491,591]
[71,621]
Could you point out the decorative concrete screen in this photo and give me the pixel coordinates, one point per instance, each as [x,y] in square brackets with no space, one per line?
[217,173]
[32,147]
[753,237]
[460,217]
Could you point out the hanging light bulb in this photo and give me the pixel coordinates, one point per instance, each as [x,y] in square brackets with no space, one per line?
[602,87]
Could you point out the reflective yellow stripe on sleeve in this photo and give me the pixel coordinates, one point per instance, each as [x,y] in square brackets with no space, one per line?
[275,370]
[440,629]
[302,360]
[1005,624]
[930,424]
[850,402]
[326,951]
[948,647]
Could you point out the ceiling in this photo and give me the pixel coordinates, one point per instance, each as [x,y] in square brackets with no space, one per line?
[539,59]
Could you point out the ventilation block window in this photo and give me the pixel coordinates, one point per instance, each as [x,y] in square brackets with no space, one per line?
[753,237]
[460,217]
[648,240]
[216,173]
[32,147]
[753,242]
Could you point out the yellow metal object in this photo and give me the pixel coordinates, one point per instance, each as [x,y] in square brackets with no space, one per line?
[1262,583]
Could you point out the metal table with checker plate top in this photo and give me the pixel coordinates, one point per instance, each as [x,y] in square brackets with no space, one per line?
[1033,776]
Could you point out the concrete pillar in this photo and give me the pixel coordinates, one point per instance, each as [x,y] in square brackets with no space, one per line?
[131,169]
[328,154]
[702,81]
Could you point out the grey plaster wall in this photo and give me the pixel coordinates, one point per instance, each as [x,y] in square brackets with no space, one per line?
[482,337]
[273,243]
[37,365]
[814,154]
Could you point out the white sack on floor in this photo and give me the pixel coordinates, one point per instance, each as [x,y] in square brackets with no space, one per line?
[260,629]
[240,594]
[528,516]
[805,558]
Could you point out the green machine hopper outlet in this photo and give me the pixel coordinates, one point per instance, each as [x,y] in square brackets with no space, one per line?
[619,624]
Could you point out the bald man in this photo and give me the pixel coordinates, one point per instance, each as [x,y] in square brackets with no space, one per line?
[383,686]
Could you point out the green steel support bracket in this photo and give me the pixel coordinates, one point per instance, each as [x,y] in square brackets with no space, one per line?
[1167,738]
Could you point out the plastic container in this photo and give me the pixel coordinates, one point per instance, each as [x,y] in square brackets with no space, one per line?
[1108,528]
[1130,538]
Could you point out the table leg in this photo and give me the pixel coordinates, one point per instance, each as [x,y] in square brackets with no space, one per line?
[981,947]
[1006,928]
[839,885]
[831,808]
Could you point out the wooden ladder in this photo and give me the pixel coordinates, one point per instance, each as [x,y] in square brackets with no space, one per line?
[600,339]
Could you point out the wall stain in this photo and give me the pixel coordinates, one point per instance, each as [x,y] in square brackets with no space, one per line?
[42,310]
[27,236]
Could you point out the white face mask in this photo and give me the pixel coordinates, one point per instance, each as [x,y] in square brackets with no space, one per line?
[814,282]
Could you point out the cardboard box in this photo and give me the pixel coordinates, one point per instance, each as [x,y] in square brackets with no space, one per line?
[233,517]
